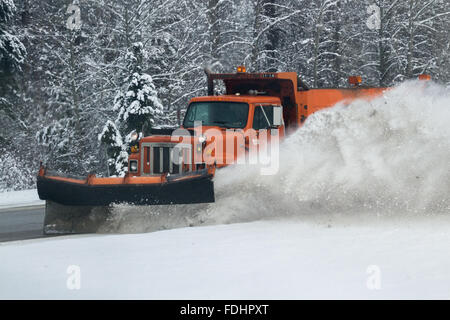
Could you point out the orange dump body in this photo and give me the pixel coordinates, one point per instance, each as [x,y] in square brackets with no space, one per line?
[315,100]
[298,102]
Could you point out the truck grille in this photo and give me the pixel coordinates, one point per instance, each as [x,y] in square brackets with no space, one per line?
[159,158]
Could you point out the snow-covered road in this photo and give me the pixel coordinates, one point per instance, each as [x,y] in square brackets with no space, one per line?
[21,215]
[17,199]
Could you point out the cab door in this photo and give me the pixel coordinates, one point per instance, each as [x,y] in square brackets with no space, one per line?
[268,125]
[269,118]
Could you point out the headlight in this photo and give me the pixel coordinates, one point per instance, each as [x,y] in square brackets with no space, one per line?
[133,166]
[134,136]
[202,139]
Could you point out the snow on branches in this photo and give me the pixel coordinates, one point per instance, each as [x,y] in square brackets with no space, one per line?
[16,173]
[111,135]
[7,9]
[116,149]
[12,51]
[140,104]
[137,107]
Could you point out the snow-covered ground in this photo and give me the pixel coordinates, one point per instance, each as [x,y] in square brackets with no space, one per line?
[283,259]
[23,198]
[360,208]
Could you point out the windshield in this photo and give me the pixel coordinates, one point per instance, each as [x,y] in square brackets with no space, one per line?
[221,114]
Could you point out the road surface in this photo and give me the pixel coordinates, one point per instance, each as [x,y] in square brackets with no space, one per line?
[21,223]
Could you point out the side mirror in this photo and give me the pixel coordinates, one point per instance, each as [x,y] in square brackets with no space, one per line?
[277,116]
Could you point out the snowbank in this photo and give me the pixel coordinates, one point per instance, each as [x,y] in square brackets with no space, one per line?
[260,260]
[16,199]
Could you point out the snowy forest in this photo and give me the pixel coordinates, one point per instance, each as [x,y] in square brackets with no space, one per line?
[78,77]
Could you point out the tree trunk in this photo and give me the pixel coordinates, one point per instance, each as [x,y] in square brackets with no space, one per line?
[273,36]
[382,64]
[214,29]
[337,63]
[318,27]
[409,68]
[256,29]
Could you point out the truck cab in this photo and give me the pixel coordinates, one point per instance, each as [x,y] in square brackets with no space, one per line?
[215,132]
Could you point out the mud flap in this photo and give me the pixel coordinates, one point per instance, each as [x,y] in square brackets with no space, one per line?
[62,219]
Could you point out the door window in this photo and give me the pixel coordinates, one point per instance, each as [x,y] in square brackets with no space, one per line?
[263,118]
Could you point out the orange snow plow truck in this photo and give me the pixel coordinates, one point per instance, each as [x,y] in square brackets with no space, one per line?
[170,167]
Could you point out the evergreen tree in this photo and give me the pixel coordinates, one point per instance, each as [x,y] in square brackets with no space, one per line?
[116,155]
[12,51]
[137,106]
[12,55]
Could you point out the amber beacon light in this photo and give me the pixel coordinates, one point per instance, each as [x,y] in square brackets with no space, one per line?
[425,77]
[355,80]
[241,69]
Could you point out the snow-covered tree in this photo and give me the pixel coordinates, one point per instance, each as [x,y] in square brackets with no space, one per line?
[418,35]
[16,172]
[12,51]
[63,134]
[12,56]
[117,156]
[137,106]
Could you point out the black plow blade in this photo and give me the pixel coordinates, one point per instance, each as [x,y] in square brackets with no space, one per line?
[82,208]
